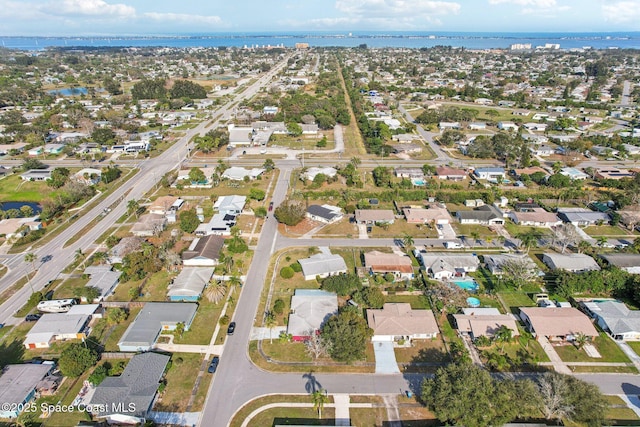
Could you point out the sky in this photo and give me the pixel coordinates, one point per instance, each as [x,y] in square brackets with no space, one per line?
[169,17]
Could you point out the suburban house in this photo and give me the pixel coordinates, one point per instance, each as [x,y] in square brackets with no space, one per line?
[494,262]
[575,263]
[490,174]
[557,323]
[149,225]
[478,322]
[183,174]
[445,265]
[402,172]
[203,252]
[14,227]
[398,321]
[627,262]
[615,318]
[324,213]
[614,173]
[230,204]
[123,248]
[582,217]
[535,217]
[510,126]
[56,327]
[322,265]
[312,172]
[162,205]
[36,175]
[189,284]
[219,225]
[128,398]
[19,384]
[381,263]
[434,213]
[102,278]
[451,174]
[310,309]
[237,173]
[374,216]
[574,174]
[89,176]
[154,318]
[484,215]
[448,125]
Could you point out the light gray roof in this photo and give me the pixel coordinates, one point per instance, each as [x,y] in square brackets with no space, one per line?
[137,385]
[623,260]
[104,280]
[310,309]
[617,316]
[230,203]
[190,282]
[145,328]
[581,215]
[483,213]
[319,264]
[494,262]
[383,215]
[570,262]
[440,261]
[52,324]
[17,381]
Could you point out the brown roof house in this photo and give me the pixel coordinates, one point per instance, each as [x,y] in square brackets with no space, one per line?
[382,263]
[434,213]
[477,322]
[397,321]
[535,217]
[557,324]
[445,172]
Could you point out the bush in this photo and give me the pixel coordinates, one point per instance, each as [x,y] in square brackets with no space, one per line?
[342,284]
[296,267]
[260,211]
[224,320]
[256,194]
[286,272]
[290,213]
[278,306]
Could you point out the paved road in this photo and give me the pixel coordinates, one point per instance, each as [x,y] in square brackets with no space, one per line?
[625,100]
[441,156]
[150,172]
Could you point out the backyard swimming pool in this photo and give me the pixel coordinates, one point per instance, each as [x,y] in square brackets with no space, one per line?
[466,284]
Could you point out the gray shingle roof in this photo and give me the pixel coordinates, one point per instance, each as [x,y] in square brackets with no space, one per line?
[137,386]
[320,264]
[145,328]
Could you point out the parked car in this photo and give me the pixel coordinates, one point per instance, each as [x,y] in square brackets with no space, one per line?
[214,364]
[32,317]
[270,206]
[232,328]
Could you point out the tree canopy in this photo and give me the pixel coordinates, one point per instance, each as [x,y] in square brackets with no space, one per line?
[75,359]
[348,334]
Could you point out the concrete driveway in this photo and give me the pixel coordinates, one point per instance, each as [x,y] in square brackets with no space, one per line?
[385,358]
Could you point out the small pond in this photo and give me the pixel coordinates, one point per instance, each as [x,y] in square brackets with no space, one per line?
[5,206]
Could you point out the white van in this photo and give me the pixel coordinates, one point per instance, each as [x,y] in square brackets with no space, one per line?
[453,245]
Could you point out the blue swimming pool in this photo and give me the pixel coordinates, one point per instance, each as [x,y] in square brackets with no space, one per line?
[418,182]
[466,284]
[473,302]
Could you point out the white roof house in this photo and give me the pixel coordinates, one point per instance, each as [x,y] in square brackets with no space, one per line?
[310,309]
[444,265]
[103,279]
[189,284]
[615,318]
[230,204]
[477,322]
[56,326]
[322,265]
[237,173]
[311,173]
[576,263]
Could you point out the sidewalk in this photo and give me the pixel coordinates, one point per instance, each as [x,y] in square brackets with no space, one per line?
[629,352]
[556,362]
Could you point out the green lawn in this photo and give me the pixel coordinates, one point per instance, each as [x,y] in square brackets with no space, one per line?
[180,378]
[248,408]
[112,342]
[14,189]
[605,230]
[418,302]
[468,229]
[635,345]
[203,325]
[608,349]
[515,299]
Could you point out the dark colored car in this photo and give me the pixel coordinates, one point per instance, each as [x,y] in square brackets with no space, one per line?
[214,364]
[270,206]
[232,328]
[32,317]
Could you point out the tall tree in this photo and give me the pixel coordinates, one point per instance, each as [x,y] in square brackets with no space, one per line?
[270,322]
[31,258]
[348,334]
[319,398]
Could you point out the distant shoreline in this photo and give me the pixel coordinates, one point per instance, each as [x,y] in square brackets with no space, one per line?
[373,39]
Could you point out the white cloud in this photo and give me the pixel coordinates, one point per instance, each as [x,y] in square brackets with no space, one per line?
[184,18]
[622,11]
[546,4]
[91,8]
[397,8]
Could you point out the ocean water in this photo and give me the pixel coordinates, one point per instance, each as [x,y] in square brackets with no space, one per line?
[630,40]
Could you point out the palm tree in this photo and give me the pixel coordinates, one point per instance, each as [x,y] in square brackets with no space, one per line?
[270,322]
[581,340]
[583,246]
[602,241]
[530,238]
[101,257]
[475,236]
[79,255]
[31,258]
[407,240]
[215,291]
[355,161]
[132,207]
[503,335]
[319,398]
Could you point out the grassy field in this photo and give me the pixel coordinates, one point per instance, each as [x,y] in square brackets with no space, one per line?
[401,228]
[181,378]
[284,415]
[515,299]
[112,341]
[14,189]
[423,351]
[203,325]
[343,228]
[469,229]
[608,349]
[418,302]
